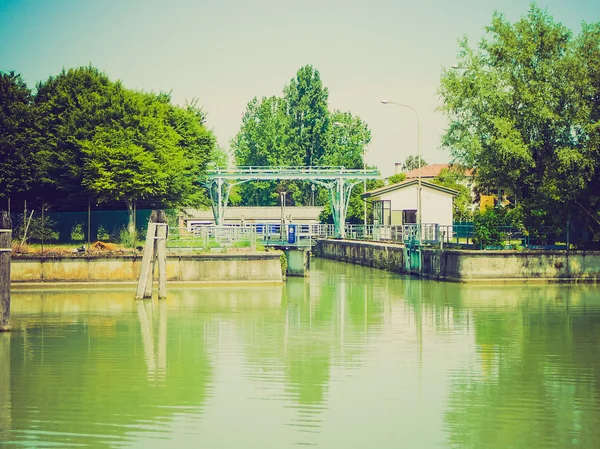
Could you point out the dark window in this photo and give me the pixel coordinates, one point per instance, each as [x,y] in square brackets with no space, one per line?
[382,212]
[409,216]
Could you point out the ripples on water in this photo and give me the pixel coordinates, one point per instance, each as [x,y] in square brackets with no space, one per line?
[348,358]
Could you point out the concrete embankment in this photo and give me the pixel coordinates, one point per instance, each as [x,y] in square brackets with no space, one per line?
[371,254]
[244,267]
[468,266]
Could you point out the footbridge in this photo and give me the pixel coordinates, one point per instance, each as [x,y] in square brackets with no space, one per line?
[338,181]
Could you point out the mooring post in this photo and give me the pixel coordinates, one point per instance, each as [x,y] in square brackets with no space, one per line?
[150,277]
[5,253]
[144,288]
[162,232]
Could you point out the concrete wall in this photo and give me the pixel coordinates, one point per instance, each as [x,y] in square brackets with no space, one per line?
[298,262]
[256,214]
[371,254]
[470,266]
[196,268]
[473,266]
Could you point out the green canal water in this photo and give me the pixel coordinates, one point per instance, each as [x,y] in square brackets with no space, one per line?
[349,358]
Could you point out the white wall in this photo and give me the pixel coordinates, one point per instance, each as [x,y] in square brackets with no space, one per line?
[436,208]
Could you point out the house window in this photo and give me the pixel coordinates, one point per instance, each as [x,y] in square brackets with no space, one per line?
[382,212]
[409,216]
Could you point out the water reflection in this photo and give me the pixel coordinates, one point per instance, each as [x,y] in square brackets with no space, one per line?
[156,359]
[5,395]
[534,379]
[87,367]
[323,325]
[349,357]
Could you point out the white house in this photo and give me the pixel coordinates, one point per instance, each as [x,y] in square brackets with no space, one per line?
[396,204]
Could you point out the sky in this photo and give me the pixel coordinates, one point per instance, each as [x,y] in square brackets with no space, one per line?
[226,52]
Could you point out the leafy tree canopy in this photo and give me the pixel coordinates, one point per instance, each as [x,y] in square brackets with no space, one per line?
[115,144]
[18,136]
[398,177]
[524,112]
[454,178]
[413,162]
[298,129]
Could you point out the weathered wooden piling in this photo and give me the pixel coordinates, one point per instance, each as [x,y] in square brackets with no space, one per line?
[155,252]
[5,253]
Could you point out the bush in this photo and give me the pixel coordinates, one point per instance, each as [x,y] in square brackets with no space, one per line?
[128,239]
[487,230]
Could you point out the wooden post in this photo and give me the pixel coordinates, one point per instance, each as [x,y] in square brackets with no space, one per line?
[157,225]
[5,250]
[150,277]
[161,254]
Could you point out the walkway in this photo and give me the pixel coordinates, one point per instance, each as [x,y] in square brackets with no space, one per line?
[338,181]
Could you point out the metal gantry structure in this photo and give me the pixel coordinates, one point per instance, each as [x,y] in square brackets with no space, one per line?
[338,181]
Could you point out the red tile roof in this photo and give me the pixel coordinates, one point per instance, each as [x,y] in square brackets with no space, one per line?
[432,170]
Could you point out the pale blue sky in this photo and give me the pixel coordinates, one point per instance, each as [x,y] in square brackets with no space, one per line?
[226,52]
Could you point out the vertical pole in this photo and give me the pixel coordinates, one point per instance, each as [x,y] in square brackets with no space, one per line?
[219,205]
[568,232]
[43,227]
[161,253]
[5,253]
[145,270]
[364,181]
[150,276]
[341,199]
[89,224]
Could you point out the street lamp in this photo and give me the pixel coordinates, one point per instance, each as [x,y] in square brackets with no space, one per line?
[364,136]
[418,158]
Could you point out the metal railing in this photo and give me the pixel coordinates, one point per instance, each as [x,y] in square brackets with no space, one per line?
[253,235]
[203,237]
[408,233]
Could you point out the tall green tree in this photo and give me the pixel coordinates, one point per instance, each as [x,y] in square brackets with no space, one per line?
[117,145]
[262,141]
[298,130]
[306,99]
[454,178]
[18,136]
[521,108]
[70,106]
[309,120]
[413,162]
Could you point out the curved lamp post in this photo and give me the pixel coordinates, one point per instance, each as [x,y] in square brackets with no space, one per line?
[364,136]
[418,158]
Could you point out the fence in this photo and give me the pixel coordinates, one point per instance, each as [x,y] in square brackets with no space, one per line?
[460,235]
[204,238]
[83,228]
[77,228]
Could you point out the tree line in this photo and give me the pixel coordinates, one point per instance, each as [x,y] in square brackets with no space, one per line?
[524,113]
[80,137]
[297,129]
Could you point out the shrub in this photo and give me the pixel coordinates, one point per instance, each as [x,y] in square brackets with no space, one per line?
[128,239]
[487,230]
